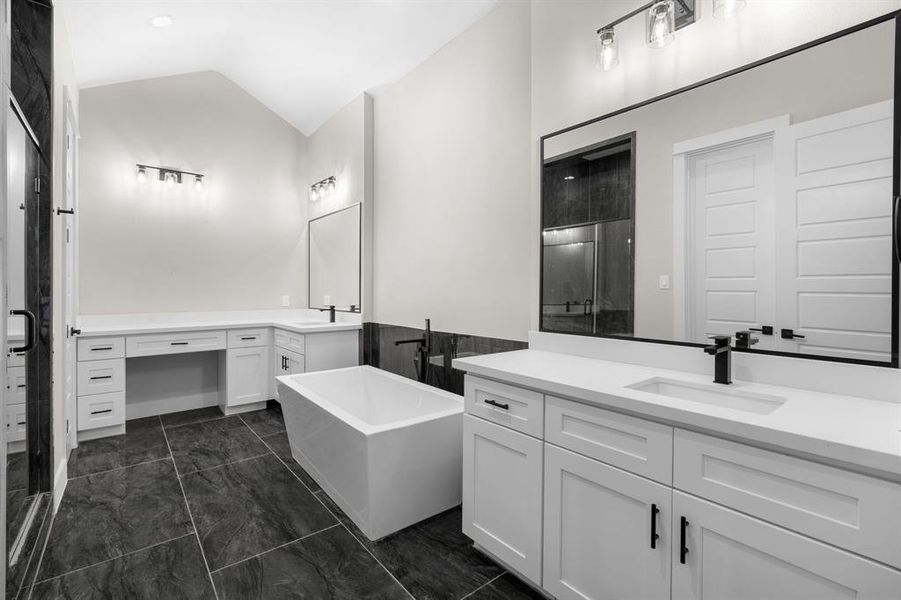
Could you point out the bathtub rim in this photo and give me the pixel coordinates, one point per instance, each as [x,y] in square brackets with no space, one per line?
[294,383]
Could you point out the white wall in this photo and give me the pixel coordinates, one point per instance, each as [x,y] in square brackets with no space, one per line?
[240,244]
[64,85]
[568,89]
[342,147]
[452,225]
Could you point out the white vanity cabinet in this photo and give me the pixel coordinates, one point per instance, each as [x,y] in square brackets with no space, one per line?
[606,531]
[602,505]
[502,494]
[731,555]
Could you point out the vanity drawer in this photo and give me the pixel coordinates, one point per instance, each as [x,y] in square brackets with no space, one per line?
[852,511]
[15,384]
[101,410]
[101,348]
[101,376]
[289,341]
[247,338]
[513,407]
[632,444]
[15,359]
[16,422]
[155,344]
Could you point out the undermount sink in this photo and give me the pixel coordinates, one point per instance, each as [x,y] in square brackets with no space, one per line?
[713,394]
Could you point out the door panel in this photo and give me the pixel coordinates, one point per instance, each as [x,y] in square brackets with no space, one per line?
[731,255]
[834,234]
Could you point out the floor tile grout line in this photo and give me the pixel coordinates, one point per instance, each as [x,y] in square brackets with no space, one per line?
[324,505]
[165,427]
[234,462]
[190,514]
[112,558]
[146,462]
[486,584]
[264,552]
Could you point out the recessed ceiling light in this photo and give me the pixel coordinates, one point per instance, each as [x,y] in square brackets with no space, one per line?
[161,21]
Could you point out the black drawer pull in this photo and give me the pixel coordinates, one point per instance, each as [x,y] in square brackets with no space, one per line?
[654,535]
[498,404]
[101,412]
[101,377]
[20,422]
[178,343]
[683,551]
[21,385]
[249,337]
[101,348]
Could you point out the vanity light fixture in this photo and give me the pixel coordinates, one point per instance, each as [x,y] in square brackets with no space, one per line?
[608,51]
[664,19]
[168,176]
[661,23]
[319,189]
[726,9]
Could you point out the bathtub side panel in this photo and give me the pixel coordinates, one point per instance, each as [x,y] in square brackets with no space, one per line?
[415,472]
[331,451]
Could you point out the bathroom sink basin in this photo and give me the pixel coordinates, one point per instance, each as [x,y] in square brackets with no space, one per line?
[713,394]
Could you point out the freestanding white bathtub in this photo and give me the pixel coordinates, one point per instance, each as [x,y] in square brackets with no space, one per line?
[386,449]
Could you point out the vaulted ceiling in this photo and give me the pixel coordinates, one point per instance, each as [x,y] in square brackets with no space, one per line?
[304,59]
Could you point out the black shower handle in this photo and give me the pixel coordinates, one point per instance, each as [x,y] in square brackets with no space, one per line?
[32,328]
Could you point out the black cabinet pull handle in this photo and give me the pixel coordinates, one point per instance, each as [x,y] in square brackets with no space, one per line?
[498,404]
[65,211]
[32,330]
[249,337]
[20,422]
[101,348]
[101,412]
[178,343]
[897,228]
[21,385]
[101,377]
[683,551]
[654,535]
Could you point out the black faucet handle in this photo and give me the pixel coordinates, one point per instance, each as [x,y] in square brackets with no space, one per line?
[721,340]
[745,339]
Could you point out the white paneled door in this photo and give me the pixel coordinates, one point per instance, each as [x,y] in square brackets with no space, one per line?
[834,233]
[731,198]
[70,153]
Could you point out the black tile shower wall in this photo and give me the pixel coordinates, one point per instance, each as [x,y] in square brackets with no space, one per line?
[378,349]
[31,55]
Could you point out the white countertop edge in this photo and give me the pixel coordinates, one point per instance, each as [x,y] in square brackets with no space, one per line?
[843,455]
[115,330]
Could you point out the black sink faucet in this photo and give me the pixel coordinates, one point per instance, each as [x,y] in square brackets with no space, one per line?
[331,312]
[424,346]
[722,356]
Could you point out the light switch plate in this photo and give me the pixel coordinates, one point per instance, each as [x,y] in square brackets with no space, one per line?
[286,300]
[326,300]
[663,282]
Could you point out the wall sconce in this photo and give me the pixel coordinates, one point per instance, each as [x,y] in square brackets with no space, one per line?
[664,19]
[168,176]
[320,189]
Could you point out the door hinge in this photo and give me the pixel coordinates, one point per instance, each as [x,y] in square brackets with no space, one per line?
[37,185]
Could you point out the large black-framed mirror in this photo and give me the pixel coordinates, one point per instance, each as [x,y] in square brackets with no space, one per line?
[760,200]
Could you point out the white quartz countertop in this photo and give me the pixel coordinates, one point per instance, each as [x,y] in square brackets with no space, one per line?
[298,321]
[856,432]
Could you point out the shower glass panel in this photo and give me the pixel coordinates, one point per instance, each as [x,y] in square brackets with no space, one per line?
[23,160]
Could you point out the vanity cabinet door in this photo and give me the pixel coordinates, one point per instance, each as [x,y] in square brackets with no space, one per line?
[502,494]
[248,375]
[731,555]
[598,527]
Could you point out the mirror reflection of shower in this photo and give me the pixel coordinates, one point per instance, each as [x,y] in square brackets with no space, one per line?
[588,256]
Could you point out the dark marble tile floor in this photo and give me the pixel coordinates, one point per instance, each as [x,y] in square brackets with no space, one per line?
[221,511]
